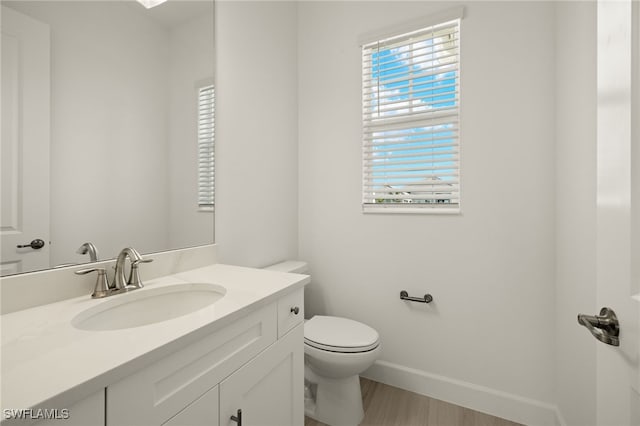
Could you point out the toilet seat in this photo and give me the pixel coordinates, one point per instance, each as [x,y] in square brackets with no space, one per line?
[340,349]
[341,335]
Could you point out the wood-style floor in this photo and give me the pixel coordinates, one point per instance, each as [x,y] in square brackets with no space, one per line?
[386,405]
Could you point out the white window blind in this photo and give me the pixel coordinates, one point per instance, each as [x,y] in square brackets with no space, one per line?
[206,164]
[410,99]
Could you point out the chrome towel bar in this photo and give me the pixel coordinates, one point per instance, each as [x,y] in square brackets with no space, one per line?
[426,299]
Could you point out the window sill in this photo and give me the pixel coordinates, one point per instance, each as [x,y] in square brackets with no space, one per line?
[368,209]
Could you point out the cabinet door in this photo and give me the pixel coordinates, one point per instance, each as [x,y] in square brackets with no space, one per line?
[154,394]
[290,311]
[268,389]
[202,412]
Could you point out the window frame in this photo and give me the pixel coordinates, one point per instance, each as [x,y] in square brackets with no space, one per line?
[201,139]
[398,32]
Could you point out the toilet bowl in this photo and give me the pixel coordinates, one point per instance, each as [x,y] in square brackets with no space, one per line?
[336,351]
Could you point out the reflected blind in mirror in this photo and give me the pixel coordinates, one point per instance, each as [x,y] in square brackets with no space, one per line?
[206,163]
[410,102]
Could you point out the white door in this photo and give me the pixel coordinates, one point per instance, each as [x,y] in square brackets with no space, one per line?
[617,209]
[24,215]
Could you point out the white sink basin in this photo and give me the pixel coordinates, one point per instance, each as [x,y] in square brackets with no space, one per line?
[148,306]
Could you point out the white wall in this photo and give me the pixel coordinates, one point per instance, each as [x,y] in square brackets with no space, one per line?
[192,61]
[576,209]
[256,132]
[107,125]
[490,270]
[635,194]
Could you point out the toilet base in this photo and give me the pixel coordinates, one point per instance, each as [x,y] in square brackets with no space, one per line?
[338,402]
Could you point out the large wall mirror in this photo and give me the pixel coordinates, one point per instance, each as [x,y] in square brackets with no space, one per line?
[107,110]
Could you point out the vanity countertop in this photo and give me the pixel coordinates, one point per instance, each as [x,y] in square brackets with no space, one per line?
[48,363]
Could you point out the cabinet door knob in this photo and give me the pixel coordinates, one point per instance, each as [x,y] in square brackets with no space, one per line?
[238,417]
[295,310]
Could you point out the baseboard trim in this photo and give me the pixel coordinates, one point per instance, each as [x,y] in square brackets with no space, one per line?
[480,398]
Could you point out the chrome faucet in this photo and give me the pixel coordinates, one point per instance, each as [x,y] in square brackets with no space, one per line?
[119,285]
[119,281]
[89,248]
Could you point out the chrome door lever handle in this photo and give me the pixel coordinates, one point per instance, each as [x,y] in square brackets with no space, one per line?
[604,327]
[35,244]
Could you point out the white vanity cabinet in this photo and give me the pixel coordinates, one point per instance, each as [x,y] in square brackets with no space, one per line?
[269,388]
[202,412]
[88,412]
[268,391]
[249,364]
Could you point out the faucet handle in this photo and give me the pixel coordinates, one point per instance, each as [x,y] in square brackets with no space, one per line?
[134,274]
[101,288]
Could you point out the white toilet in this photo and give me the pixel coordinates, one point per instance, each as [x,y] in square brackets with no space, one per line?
[336,351]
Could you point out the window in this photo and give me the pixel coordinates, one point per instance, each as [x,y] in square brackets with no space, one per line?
[410,103]
[206,164]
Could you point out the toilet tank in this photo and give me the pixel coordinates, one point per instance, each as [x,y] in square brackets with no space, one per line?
[295,266]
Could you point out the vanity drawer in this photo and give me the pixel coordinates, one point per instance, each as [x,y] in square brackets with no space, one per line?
[287,307]
[157,392]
